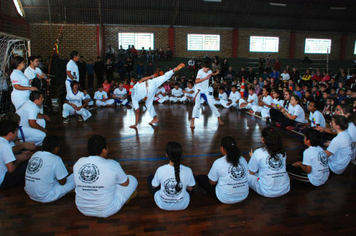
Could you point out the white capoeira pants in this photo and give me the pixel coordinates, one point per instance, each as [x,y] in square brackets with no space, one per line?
[67,84]
[103,104]
[17,100]
[122,194]
[69,110]
[29,134]
[199,96]
[151,88]
[57,192]
[264,110]
[91,103]
[161,99]
[233,104]
[248,106]
[175,99]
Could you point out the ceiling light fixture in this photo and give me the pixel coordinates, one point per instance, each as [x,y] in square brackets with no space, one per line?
[337,8]
[278,4]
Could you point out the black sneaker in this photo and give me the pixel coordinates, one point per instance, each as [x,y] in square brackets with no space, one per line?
[80,118]
[66,120]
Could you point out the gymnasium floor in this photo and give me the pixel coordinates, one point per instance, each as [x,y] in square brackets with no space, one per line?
[305,210]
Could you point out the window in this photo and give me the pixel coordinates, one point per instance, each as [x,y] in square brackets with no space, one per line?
[317,45]
[203,42]
[139,40]
[264,44]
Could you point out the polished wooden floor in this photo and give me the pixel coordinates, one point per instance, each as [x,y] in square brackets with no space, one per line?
[305,210]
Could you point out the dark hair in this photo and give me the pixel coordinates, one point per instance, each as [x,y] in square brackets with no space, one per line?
[268,89]
[34,95]
[341,121]
[296,98]
[222,88]
[72,83]
[315,103]
[314,136]
[31,58]
[7,126]
[234,86]
[12,116]
[273,142]
[174,152]
[50,142]
[206,64]
[251,88]
[96,144]
[232,151]
[347,109]
[73,54]
[15,62]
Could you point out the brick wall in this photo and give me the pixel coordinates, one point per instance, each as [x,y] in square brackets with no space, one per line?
[74,37]
[83,39]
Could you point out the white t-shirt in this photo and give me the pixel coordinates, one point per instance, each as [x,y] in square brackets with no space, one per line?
[317,118]
[232,181]
[278,103]
[273,177]
[234,96]
[318,160]
[203,86]
[100,95]
[32,73]
[76,99]
[167,198]
[96,181]
[6,156]
[222,96]
[352,132]
[87,97]
[177,92]
[342,152]
[268,100]
[43,171]
[73,68]
[17,77]
[160,91]
[28,111]
[285,76]
[191,62]
[120,93]
[298,111]
[254,98]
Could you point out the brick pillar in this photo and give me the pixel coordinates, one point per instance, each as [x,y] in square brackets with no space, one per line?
[292,45]
[235,43]
[171,38]
[343,46]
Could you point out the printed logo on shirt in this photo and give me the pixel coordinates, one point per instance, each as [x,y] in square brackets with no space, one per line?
[89,173]
[34,165]
[323,158]
[170,187]
[238,172]
[313,121]
[276,163]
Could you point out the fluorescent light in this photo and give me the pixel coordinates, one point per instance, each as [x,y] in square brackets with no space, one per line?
[337,8]
[19,8]
[278,4]
[212,0]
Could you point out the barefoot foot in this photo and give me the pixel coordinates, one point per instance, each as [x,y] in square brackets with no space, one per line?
[155,120]
[133,126]
[180,66]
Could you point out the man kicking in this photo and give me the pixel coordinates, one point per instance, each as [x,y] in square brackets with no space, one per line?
[146,89]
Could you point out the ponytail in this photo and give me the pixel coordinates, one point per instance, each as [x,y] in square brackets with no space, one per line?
[174,152]
[232,151]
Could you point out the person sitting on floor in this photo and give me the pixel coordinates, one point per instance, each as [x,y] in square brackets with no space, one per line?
[47,178]
[314,169]
[102,99]
[101,185]
[12,168]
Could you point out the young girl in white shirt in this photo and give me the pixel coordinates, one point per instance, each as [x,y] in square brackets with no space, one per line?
[267,166]
[227,178]
[172,183]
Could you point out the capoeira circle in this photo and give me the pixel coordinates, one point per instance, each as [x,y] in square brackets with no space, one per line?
[146,89]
